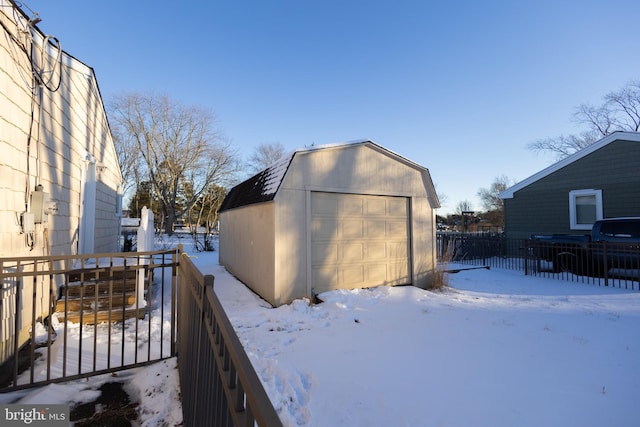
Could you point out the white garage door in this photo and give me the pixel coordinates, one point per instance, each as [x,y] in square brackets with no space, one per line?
[358,241]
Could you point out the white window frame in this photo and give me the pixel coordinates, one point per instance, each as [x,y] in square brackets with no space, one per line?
[573,195]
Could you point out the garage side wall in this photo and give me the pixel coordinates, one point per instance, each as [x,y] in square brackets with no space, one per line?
[247,249]
[290,245]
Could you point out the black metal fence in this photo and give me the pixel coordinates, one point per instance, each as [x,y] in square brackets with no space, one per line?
[599,263]
[71,317]
[218,383]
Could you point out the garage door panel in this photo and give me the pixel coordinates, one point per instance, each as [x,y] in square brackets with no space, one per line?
[397,250]
[396,228]
[352,274]
[377,207]
[375,229]
[351,252]
[397,206]
[352,229]
[376,250]
[398,273]
[359,241]
[324,204]
[324,228]
[352,206]
[324,276]
[374,272]
[324,253]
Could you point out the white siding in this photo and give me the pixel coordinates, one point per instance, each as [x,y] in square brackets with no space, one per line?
[48,149]
[69,123]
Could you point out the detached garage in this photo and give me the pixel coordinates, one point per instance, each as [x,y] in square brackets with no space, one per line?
[340,216]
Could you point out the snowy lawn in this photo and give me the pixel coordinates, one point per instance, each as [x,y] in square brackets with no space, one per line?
[496,348]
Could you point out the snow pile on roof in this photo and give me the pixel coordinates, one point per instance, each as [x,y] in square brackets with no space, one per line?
[274,174]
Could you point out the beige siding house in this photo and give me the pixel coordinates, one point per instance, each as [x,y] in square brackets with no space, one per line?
[341,216]
[60,179]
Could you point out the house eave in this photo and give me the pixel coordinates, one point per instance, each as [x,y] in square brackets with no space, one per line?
[622,136]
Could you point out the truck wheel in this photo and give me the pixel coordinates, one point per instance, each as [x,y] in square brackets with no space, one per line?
[565,263]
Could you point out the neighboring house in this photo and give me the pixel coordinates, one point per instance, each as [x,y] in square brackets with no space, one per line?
[340,216]
[60,181]
[600,181]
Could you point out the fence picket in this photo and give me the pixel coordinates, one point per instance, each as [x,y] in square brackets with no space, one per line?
[599,263]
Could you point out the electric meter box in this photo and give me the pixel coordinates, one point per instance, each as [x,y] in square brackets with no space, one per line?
[39,200]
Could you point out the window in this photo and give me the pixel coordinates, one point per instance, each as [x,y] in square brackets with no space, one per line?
[626,229]
[585,207]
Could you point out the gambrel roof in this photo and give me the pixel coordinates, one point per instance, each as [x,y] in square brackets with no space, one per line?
[616,136]
[264,186]
[261,187]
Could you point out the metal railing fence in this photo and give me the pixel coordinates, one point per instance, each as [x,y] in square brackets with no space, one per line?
[218,383]
[119,297]
[94,313]
[597,263]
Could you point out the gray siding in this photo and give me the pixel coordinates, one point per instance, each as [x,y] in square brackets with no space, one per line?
[543,206]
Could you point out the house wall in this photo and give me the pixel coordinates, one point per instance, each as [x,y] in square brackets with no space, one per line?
[247,246]
[46,134]
[543,206]
[357,169]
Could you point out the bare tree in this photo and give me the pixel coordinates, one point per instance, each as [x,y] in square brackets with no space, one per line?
[625,107]
[563,146]
[205,212]
[463,206]
[442,197]
[176,145]
[265,155]
[464,209]
[491,201]
[619,111]
[128,157]
[490,197]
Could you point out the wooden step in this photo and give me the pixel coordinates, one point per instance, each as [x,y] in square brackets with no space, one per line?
[115,282]
[103,273]
[88,288]
[88,317]
[88,303]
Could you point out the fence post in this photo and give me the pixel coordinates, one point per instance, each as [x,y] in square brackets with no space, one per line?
[604,263]
[145,244]
[175,258]
[526,257]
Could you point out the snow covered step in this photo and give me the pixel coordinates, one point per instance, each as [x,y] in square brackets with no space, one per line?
[91,317]
[89,302]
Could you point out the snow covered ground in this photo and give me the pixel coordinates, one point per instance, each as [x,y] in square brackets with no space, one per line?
[495,348]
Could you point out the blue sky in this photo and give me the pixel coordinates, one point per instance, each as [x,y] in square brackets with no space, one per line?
[458,87]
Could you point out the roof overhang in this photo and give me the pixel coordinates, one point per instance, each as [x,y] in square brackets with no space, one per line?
[263,186]
[616,136]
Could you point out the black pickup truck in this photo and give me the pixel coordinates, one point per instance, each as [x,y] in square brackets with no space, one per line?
[614,243]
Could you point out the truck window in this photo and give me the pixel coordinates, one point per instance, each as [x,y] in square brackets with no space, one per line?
[624,229]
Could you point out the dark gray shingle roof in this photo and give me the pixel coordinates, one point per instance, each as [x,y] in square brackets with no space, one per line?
[259,188]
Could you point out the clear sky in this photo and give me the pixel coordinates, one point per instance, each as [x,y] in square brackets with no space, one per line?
[458,87]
